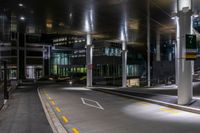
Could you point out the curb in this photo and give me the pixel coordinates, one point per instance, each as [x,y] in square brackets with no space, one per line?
[54,122]
[175,106]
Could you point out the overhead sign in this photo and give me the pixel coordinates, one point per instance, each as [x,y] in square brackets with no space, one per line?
[191,47]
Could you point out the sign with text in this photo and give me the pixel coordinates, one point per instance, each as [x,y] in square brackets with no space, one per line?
[191,47]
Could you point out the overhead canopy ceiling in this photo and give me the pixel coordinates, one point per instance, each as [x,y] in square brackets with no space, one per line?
[107,15]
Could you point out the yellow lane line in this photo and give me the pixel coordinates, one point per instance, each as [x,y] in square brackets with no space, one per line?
[49,98]
[46,93]
[65,119]
[75,130]
[58,109]
[53,103]
[143,103]
[169,110]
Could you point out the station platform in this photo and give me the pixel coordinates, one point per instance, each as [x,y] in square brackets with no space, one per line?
[163,95]
[23,113]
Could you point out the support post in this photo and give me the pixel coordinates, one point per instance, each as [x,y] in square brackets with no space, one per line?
[170,52]
[148,45]
[6,96]
[185,91]
[124,64]
[158,46]
[18,69]
[89,57]
[176,60]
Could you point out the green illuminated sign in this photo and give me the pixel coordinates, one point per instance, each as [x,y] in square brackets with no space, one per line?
[191,47]
[191,42]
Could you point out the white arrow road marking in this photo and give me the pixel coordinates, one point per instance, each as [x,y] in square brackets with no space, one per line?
[95,105]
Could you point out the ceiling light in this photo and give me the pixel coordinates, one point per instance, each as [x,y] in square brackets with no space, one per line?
[20,5]
[196,15]
[22,18]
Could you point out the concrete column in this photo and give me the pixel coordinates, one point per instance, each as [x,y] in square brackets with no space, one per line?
[170,52]
[158,46]
[89,57]
[43,60]
[176,55]
[18,77]
[49,61]
[6,94]
[25,55]
[124,64]
[170,56]
[176,65]
[193,68]
[185,92]
[148,44]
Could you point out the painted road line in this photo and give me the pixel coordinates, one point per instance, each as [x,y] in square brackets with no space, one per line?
[53,103]
[49,98]
[58,109]
[46,93]
[143,103]
[75,130]
[169,110]
[92,103]
[65,119]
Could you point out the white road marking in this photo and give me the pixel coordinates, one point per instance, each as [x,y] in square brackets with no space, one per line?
[97,105]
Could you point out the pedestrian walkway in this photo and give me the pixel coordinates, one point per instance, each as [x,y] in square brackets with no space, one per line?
[24,113]
[162,95]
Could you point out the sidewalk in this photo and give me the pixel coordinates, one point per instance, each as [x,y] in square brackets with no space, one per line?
[162,95]
[24,113]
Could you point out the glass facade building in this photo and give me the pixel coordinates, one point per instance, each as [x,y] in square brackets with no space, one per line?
[60,64]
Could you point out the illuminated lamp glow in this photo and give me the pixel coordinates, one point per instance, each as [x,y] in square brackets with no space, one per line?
[70,15]
[122,37]
[124,33]
[22,18]
[196,15]
[89,26]
[173,18]
[91,19]
[20,5]
[49,24]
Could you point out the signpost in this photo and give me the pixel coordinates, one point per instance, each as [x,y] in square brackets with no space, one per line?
[191,47]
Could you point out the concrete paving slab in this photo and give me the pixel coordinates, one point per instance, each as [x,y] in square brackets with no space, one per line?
[24,113]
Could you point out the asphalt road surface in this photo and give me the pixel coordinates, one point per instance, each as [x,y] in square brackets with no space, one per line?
[85,111]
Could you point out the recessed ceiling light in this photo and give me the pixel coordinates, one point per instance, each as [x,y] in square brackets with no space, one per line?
[22,18]
[20,5]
